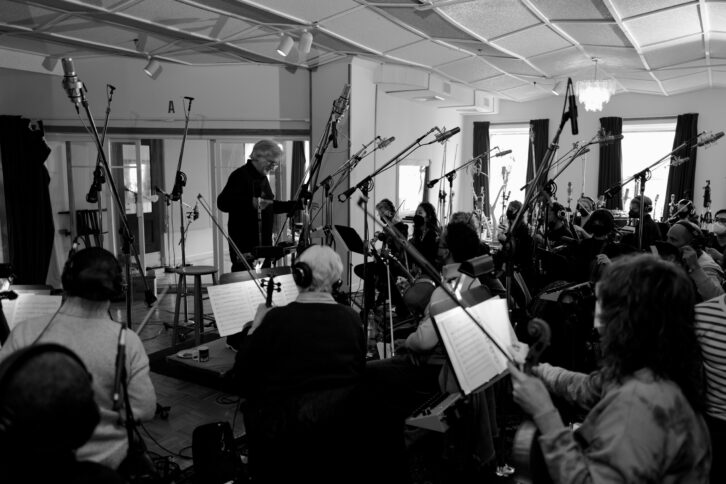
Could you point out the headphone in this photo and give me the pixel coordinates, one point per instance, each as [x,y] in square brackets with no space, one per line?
[302,274]
[699,241]
[686,208]
[79,430]
[93,273]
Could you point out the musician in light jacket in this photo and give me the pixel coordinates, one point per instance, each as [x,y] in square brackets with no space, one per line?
[644,423]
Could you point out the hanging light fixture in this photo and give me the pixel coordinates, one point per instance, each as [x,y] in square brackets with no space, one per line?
[153,68]
[594,93]
[305,42]
[285,45]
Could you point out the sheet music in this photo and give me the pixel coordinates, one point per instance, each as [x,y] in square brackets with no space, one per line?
[235,304]
[29,306]
[474,358]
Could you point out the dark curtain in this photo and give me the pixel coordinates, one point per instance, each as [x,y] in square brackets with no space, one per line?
[27,200]
[682,178]
[539,132]
[481,145]
[611,162]
[298,168]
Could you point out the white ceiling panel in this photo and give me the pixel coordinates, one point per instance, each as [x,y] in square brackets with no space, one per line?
[615,58]
[665,25]
[30,16]
[513,66]
[479,16]
[717,45]
[681,70]
[719,77]
[499,83]
[109,4]
[427,53]
[309,10]
[674,55]
[693,81]
[88,29]
[562,62]
[469,69]
[629,8]
[526,92]
[24,43]
[591,33]
[210,57]
[640,74]
[579,10]
[369,28]
[521,42]
[177,15]
[716,16]
[640,85]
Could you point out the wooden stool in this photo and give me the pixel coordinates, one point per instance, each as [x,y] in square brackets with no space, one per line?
[197,272]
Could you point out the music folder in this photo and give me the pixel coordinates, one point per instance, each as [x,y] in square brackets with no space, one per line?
[350,238]
[476,361]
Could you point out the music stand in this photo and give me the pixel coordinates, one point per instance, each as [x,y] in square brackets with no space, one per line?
[350,238]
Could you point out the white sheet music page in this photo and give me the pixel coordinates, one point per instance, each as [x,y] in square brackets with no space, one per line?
[29,306]
[474,358]
[235,304]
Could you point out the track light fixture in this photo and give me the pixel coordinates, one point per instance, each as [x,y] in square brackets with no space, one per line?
[153,68]
[50,63]
[285,45]
[305,42]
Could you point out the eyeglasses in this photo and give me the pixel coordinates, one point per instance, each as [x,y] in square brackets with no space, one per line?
[720,220]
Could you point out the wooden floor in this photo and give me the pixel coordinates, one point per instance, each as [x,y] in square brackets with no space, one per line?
[191,404]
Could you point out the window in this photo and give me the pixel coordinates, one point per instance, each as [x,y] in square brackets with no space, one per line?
[508,137]
[645,142]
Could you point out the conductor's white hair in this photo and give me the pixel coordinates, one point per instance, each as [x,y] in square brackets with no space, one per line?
[265,148]
[325,264]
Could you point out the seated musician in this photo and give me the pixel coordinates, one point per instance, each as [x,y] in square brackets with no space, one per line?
[426,231]
[376,274]
[298,367]
[521,240]
[585,260]
[558,232]
[706,274]
[685,210]
[644,423]
[716,243]
[651,232]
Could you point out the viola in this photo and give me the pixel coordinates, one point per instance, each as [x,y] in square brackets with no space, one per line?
[526,452]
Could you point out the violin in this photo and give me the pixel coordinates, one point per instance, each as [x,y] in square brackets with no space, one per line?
[526,453]
[272,287]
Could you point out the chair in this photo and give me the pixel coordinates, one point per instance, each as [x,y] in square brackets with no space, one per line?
[197,272]
[88,225]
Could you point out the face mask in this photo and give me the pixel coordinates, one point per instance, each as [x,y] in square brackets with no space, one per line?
[418,220]
[719,229]
[634,214]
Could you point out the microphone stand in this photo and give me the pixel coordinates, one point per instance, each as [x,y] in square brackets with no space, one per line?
[98,175]
[426,266]
[236,250]
[127,249]
[180,181]
[365,185]
[642,176]
[529,200]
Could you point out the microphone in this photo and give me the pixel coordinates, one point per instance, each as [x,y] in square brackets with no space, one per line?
[502,153]
[346,194]
[341,104]
[73,87]
[432,183]
[573,108]
[92,195]
[708,139]
[441,137]
[385,142]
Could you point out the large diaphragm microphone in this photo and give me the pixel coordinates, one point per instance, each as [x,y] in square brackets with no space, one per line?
[341,104]
[74,87]
[441,137]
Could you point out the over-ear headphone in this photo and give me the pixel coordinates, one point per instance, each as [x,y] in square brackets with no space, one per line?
[699,241]
[302,274]
[93,273]
[76,432]
[562,214]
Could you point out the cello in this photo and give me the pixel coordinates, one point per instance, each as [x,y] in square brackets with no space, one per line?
[526,453]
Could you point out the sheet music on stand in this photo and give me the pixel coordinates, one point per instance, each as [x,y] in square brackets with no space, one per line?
[236,303]
[30,306]
[475,360]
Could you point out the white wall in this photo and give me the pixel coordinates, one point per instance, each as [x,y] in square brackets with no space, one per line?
[710,104]
[244,96]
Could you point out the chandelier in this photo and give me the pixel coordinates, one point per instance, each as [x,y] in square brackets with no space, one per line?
[594,93]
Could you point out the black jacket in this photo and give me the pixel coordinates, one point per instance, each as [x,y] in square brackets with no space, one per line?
[243,185]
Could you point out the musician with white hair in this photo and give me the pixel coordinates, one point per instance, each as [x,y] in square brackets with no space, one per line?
[249,200]
[298,367]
